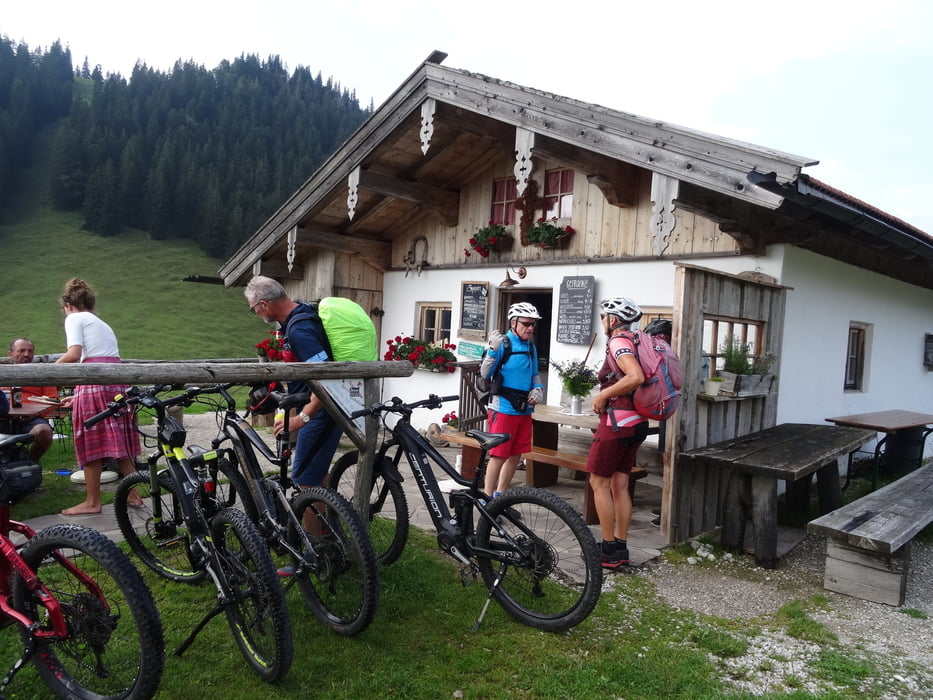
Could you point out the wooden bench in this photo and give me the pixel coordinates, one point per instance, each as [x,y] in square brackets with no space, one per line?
[577,462]
[469,452]
[868,540]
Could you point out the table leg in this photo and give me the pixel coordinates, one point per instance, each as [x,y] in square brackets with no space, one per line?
[828,489]
[537,474]
[735,511]
[764,518]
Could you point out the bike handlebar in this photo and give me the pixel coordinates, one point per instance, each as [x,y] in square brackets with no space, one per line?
[396,405]
[147,397]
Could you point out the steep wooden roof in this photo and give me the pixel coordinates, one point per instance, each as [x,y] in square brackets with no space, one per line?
[758,195]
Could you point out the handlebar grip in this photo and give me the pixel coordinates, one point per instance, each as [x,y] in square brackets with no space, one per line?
[445,399]
[359,414]
[94,420]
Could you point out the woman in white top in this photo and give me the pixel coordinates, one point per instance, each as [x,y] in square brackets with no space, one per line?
[89,339]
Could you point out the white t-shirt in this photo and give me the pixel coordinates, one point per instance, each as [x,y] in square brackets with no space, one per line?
[94,336]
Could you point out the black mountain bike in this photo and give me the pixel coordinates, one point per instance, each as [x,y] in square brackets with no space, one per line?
[316,533]
[87,619]
[533,550]
[180,521]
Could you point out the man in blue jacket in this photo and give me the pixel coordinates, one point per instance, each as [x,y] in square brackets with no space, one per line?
[512,362]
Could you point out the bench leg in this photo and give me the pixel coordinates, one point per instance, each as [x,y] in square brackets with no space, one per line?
[469,461]
[881,578]
[828,489]
[589,504]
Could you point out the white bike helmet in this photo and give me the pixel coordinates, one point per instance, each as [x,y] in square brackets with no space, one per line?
[524,310]
[624,309]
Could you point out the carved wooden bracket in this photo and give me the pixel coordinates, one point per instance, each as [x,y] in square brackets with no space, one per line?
[428,108]
[353,185]
[524,142]
[664,191]
[290,251]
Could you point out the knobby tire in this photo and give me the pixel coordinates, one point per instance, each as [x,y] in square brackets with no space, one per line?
[115,646]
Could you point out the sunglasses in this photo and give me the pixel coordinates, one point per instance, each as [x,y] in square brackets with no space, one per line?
[528,324]
[252,309]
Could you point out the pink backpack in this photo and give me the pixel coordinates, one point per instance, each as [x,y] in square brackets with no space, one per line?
[659,396]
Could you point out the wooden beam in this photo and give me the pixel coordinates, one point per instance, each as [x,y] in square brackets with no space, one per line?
[445,204]
[377,253]
[615,179]
[279,269]
[203,373]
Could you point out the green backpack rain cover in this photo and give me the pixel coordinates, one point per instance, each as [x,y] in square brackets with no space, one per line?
[350,331]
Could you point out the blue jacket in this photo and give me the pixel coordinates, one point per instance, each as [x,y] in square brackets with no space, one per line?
[520,371]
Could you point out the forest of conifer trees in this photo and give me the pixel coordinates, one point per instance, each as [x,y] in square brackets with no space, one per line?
[198,154]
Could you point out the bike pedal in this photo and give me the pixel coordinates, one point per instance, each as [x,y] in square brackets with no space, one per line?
[171,543]
[467,575]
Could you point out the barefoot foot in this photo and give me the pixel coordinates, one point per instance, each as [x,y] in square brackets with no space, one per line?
[82,509]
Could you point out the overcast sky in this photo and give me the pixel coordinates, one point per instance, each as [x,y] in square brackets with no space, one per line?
[843,82]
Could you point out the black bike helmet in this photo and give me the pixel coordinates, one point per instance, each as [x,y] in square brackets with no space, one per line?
[660,326]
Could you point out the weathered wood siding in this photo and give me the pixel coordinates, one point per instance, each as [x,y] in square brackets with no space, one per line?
[693,496]
[603,231]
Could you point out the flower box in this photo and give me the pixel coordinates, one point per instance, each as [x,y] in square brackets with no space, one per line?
[745,384]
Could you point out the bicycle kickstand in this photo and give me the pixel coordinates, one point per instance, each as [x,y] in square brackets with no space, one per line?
[492,589]
[214,612]
[28,651]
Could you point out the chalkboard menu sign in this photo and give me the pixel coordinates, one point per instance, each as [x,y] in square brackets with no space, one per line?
[575,310]
[474,303]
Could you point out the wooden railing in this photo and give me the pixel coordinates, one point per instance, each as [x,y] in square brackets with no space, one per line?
[472,408]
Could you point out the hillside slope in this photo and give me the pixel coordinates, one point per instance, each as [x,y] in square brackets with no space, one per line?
[154,314]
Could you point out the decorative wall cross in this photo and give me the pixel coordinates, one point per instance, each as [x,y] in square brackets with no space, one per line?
[529,203]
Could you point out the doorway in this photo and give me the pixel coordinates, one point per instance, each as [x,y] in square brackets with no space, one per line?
[542,300]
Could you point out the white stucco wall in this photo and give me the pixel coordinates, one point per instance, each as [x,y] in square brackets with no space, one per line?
[827,295]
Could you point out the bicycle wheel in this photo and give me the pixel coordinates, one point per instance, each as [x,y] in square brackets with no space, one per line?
[340,583]
[114,647]
[161,543]
[257,613]
[551,578]
[388,507]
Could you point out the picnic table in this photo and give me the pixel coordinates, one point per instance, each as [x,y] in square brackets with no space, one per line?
[905,436]
[789,452]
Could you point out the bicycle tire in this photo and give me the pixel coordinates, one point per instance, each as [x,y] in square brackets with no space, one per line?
[162,546]
[341,585]
[257,614]
[388,517]
[112,651]
[559,580]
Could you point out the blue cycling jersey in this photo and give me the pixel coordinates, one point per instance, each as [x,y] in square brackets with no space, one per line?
[520,372]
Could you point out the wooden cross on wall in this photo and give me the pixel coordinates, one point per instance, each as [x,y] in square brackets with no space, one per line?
[529,203]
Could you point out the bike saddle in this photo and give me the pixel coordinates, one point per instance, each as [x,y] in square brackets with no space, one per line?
[488,440]
[285,401]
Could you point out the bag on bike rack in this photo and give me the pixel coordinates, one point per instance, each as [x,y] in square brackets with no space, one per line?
[19,479]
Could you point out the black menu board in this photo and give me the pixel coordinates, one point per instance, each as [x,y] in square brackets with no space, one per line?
[575,310]
[474,298]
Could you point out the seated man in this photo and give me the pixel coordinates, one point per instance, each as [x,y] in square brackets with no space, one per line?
[22,351]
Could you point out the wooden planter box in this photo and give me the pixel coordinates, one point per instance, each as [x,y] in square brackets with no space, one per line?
[745,384]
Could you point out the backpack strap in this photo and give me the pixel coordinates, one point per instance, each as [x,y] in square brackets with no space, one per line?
[315,318]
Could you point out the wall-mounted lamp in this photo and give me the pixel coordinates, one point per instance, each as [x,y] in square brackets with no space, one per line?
[508,282]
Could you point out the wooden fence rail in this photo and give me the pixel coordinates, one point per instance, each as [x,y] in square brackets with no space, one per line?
[204,373]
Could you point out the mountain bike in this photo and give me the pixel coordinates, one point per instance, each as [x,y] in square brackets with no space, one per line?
[534,552]
[87,619]
[177,523]
[316,534]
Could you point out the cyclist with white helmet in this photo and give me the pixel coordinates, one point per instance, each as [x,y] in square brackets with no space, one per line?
[512,357]
[621,431]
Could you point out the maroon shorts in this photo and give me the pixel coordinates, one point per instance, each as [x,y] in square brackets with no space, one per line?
[519,427]
[615,451]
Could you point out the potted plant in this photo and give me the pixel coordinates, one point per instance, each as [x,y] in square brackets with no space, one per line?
[578,380]
[423,355]
[547,234]
[744,374]
[712,385]
[270,349]
[451,421]
[490,237]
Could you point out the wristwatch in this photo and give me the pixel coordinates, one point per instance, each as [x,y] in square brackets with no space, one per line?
[304,416]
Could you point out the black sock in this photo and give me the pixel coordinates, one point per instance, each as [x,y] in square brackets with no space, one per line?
[609,546]
[621,543]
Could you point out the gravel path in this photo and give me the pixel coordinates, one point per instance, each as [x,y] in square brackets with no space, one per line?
[735,588]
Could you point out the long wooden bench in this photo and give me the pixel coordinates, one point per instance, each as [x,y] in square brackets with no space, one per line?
[868,540]
[577,462]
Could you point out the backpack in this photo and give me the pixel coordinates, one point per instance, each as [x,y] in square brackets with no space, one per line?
[659,396]
[349,333]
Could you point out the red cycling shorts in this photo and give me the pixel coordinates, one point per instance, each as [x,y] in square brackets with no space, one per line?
[519,427]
